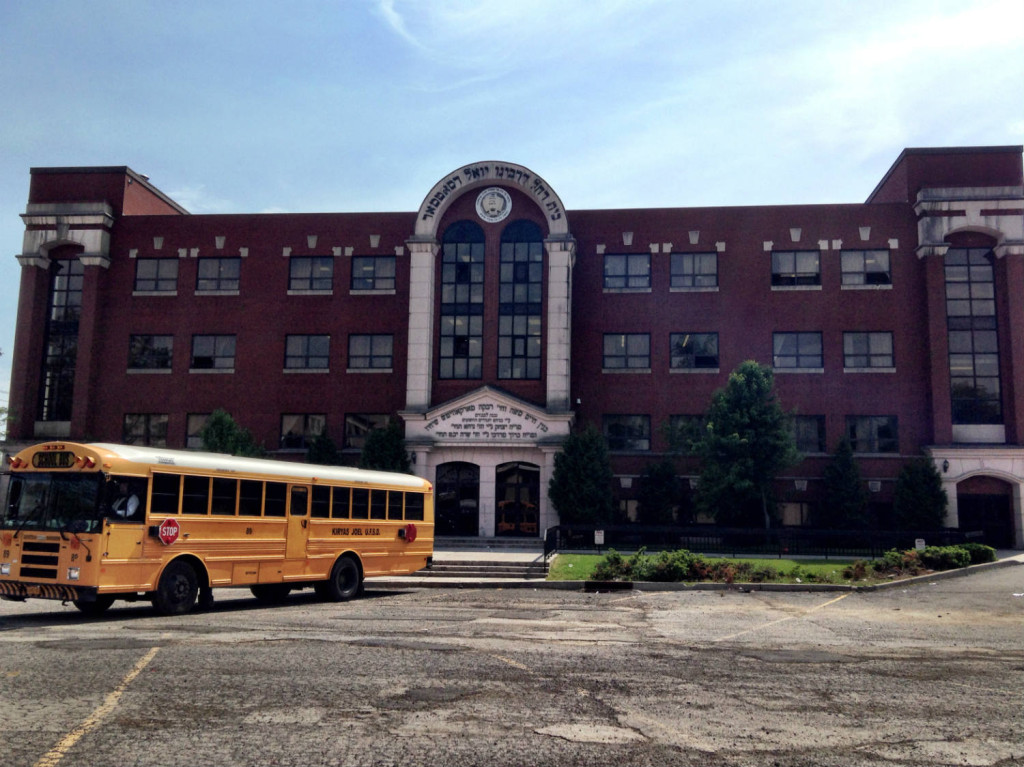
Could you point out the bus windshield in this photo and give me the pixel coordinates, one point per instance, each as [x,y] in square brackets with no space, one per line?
[53,502]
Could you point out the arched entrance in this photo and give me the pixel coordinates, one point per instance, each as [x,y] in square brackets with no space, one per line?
[986,504]
[517,495]
[457,499]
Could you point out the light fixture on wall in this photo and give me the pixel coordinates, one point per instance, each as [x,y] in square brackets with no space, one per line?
[800,484]
[945,466]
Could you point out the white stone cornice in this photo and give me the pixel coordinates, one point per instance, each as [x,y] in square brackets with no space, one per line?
[31,259]
[932,249]
[95,259]
[994,211]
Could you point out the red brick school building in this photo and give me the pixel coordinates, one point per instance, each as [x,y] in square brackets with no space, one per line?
[494,318]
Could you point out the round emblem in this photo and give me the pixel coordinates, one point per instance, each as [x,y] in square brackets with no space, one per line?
[493,204]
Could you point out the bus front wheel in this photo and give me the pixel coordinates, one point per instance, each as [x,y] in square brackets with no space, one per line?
[345,583]
[176,593]
[97,606]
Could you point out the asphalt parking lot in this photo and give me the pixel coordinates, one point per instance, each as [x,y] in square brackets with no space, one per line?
[931,674]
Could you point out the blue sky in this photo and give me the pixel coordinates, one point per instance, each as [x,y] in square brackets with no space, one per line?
[255,106]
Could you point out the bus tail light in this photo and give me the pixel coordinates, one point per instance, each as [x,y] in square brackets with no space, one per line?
[73,573]
[16,463]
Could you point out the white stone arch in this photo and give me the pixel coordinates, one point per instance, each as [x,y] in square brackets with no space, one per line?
[957,464]
[423,246]
[485,174]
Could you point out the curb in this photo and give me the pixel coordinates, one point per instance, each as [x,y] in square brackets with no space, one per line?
[415,582]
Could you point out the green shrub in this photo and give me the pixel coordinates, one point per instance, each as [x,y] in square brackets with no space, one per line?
[945,557]
[895,562]
[612,568]
[979,552]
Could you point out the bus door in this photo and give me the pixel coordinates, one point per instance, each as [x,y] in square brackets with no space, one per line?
[298,522]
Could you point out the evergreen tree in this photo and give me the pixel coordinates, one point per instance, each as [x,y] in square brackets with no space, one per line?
[745,442]
[660,494]
[384,450]
[919,502]
[580,485]
[222,435]
[844,499]
[323,451]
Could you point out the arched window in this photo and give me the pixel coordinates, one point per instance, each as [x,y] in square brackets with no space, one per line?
[462,301]
[520,318]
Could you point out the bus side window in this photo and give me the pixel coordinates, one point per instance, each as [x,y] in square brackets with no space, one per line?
[225,496]
[250,498]
[321,502]
[414,506]
[300,502]
[196,496]
[166,494]
[394,504]
[276,499]
[341,503]
[360,503]
[378,504]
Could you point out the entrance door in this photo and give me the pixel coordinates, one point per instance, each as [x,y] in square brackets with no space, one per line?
[992,514]
[457,499]
[517,492]
[298,523]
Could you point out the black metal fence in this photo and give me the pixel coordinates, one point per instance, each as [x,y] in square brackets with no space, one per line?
[735,541]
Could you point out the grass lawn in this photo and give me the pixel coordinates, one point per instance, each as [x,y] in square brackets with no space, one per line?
[580,567]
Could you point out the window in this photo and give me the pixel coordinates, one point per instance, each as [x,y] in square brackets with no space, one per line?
[358,425]
[166,494]
[797,351]
[148,429]
[156,275]
[373,273]
[311,273]
[65,307]
[694,270]
[694,351]
[627,270]
[809,433]
[306,352]
[218,275]
[150,352]
[865,267]
[370,352]
[683,430]
[194,426]
[867,350]
[299,430]
[872,433]
[462,302]
[224,498]
[213,353]
[973,337]
[627,432]
[520,298]
[796,267]
[627,351]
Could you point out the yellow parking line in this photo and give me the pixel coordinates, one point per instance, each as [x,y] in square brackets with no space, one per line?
[57,753]
[782,620]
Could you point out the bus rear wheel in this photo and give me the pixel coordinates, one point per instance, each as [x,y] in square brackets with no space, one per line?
[345,582]
[176,593]
[97,606]
[271,593]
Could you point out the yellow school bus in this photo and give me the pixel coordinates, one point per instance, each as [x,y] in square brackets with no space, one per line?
[93,523]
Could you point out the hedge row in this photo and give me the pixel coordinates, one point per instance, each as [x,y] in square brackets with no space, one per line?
[685,566]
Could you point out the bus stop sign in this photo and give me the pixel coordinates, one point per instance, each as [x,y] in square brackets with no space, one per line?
[168,531]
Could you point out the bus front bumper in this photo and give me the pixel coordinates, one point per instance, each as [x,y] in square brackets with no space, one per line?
[19,591]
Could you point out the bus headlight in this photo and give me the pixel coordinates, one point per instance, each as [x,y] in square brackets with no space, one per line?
[73,573]
[5,568]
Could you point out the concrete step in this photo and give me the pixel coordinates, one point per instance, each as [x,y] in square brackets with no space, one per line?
[467,568]
[454,543]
